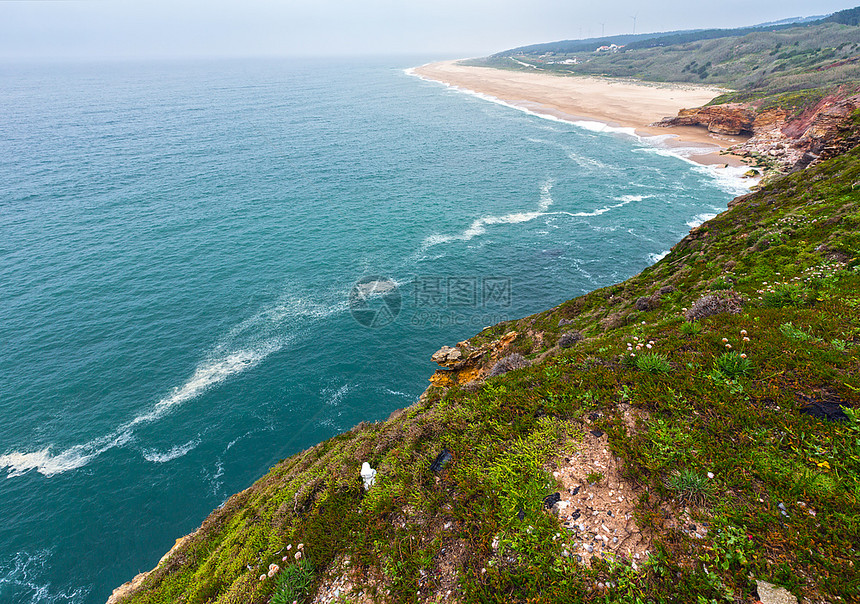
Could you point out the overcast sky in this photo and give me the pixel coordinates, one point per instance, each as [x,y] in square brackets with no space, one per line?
[77,29]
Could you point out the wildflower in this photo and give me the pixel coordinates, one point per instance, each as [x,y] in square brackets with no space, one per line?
[725,340]
[743,356]
[743,332]
[298,555]
[262,577]
[651,342]
[632,354]
[643,322]
[728,345]
[300,546]
[648,346]
[746,339]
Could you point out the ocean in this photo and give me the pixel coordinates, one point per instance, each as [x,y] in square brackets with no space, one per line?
[188,258]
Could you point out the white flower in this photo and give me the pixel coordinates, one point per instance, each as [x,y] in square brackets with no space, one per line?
[710,474]
[725,340]
[262,577]
[728,345]
[298,555]
[648,346]
[743,356]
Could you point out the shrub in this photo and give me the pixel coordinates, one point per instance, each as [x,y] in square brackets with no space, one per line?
[714,304]
[692,328]
[294,583]
[690,486]
[787,295]
[795,333]
[569,339]
[732,364]
[509,363]
[653,363]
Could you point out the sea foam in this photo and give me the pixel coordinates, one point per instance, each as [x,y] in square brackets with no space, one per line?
[243,348]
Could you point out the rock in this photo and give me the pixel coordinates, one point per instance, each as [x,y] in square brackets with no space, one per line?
[446,355]
[751,173]
[728,118]
[441,461]
[824,410]
[769,593]
[551,500]
[597,433]
[368,475]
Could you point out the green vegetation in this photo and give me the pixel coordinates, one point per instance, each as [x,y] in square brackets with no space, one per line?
[733,364]
[791,67]
[294,583]
[719,436]
[690,486]
[653,363]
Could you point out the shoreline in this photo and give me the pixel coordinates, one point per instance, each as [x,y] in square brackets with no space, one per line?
[622,106]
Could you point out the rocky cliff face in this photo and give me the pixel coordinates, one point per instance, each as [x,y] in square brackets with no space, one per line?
[781,140]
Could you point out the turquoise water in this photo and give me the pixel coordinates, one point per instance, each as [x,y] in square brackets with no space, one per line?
[178,244]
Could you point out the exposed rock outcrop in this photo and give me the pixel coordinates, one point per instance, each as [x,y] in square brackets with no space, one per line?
[466,363]
[781,141]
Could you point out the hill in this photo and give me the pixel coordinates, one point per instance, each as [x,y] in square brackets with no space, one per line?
[670,438]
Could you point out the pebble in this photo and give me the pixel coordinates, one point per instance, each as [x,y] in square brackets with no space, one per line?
[589,548]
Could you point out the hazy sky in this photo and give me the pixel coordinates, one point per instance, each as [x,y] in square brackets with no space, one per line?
[165,28]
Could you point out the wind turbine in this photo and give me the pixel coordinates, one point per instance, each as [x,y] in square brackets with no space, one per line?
[634,22]
[602,29]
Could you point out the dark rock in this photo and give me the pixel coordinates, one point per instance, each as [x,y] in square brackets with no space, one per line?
[824,410]
[441,461]
[551,500]
[576,515]
[666,289]
[597,433]
[563,322]
[521,514]
[575,490]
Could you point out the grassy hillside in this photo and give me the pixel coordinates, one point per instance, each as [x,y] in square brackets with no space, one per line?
[820,56]
[681,389]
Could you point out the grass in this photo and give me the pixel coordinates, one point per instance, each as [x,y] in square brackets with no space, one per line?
[294,583]
[690,486]
[653,362]
[733,364]
[784,502]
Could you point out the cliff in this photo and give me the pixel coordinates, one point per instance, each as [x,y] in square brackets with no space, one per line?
[784,137]
[686,435]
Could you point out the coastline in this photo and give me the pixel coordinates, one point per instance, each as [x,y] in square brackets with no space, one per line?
[623,106]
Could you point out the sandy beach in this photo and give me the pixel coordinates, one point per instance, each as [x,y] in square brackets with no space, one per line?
[617,103]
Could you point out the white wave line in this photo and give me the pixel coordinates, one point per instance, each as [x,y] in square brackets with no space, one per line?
[226,359]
